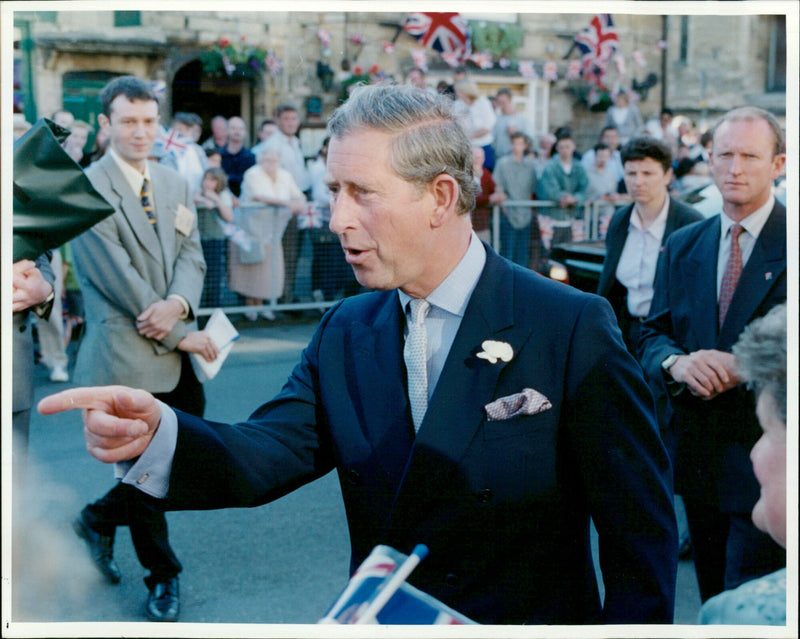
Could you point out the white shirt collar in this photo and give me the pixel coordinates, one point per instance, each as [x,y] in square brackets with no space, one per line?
[659,225]
[753,223]
[134,177]
[453,294]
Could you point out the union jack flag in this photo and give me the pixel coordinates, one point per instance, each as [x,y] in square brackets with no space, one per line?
[482,59]
[550,70]
[274,65]
[420,59]
[170,142]
[310,218]
[441,32]
[527,70]
[597,43]
[408,605]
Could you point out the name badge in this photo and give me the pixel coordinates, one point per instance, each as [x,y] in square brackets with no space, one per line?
[184,220]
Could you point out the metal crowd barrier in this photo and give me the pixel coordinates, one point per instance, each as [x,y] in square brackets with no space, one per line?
[317,256]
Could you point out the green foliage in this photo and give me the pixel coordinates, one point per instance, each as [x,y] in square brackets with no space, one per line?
[501,40]
[237,60]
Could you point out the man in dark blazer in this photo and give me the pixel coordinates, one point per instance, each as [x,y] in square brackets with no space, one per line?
[32,293]
[141,273]
[688,338]
[513,433]
[638,231]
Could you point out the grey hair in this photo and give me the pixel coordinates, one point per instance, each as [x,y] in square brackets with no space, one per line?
[427,142]
[760,356]
[750,114]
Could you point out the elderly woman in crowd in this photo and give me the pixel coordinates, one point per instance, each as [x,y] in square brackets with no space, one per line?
[761,362]
[272,187]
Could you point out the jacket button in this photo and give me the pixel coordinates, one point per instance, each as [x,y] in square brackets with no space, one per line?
[22,328]
[485,496]
[451,580]
[353,478]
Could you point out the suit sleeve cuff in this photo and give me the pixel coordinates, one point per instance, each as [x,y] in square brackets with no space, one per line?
[151,470]
[174,296]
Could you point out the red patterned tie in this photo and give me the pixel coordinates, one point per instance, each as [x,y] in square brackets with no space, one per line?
[733,269]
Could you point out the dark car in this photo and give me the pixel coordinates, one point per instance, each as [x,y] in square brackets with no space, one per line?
[578,264]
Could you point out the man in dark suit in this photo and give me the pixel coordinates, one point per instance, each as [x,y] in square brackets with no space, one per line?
[486,433]
[637,233]
[714,277]
[141,273]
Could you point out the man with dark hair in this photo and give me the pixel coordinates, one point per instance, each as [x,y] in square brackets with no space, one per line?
[141,272]
[637,233]
[453,414]
[714,278]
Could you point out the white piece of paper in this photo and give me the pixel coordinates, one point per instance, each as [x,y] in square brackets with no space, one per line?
[223,334]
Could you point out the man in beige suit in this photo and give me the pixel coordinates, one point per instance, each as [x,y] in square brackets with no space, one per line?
[141,272]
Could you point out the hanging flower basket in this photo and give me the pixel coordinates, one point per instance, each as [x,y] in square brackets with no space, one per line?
[240,61]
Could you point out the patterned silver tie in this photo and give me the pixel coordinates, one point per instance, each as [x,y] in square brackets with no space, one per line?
[415,355]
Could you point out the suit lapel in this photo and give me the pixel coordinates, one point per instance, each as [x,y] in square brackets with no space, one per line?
[672,221]
[614,251]
[130,205]
[379,373]
[165,219]
[467,384]
[700,280]
[765,266]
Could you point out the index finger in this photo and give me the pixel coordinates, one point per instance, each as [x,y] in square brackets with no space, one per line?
[77,398]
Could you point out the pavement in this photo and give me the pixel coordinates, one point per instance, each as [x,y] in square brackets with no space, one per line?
[282,563]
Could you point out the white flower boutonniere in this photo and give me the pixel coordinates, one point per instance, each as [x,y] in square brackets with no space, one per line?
[494,351]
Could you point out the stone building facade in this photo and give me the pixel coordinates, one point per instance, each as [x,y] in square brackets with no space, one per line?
[697,65]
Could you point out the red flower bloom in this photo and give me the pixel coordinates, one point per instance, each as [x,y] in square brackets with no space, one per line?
[224,42]
[375,68]
[358,70]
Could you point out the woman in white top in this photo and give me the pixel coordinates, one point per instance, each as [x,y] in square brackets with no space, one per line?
[477,118]
[273,188]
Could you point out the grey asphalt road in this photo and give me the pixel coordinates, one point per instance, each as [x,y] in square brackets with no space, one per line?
[282,563]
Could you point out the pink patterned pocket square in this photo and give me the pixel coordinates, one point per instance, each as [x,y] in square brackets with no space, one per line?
[528,402]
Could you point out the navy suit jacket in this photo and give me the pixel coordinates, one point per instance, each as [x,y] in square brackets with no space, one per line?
[504,506]
[678,215]
[714,437]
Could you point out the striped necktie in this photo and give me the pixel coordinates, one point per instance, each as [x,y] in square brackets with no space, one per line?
[147,202]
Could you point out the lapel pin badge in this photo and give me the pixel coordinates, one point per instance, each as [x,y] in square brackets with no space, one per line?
[768,275]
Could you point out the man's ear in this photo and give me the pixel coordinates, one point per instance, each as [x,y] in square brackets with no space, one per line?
[102,120]
[445,191]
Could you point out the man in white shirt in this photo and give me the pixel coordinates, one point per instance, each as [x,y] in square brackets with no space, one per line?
[637,232]
[141,273]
